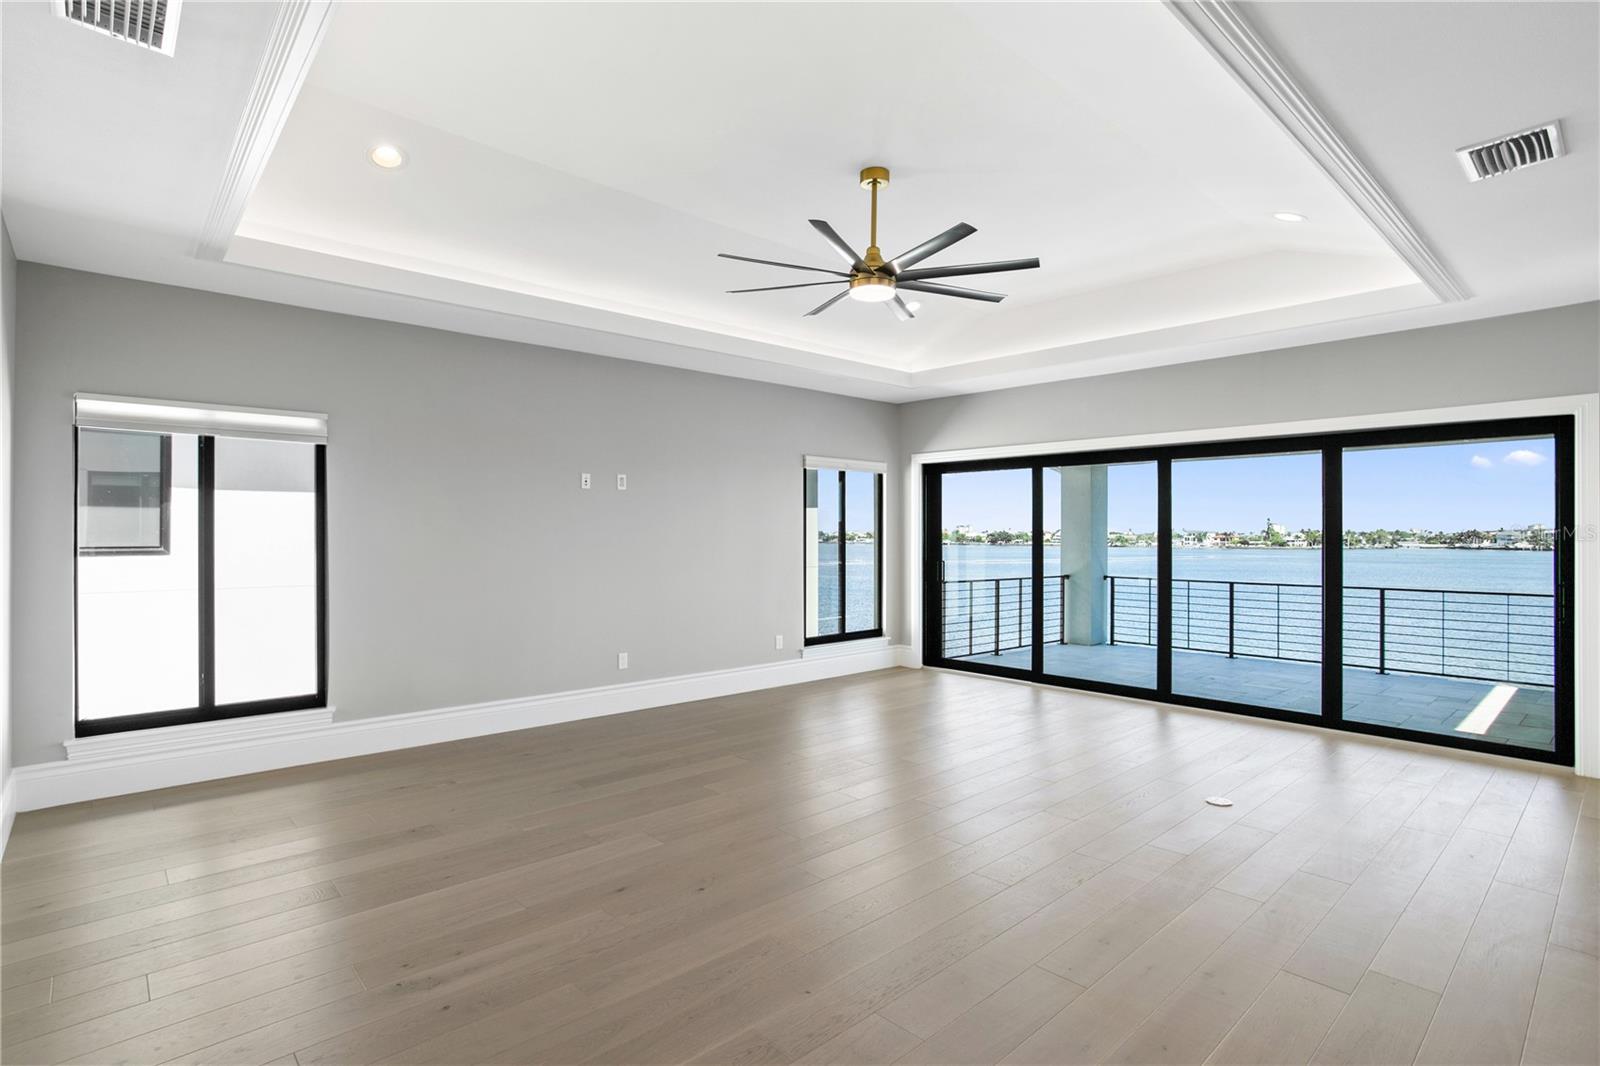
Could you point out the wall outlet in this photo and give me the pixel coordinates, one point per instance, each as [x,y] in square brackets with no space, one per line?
[777,642]
[622,482]
[622,660]
[585,478]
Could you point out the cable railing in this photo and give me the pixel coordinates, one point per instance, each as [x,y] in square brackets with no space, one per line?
[1469,634]
[995,614]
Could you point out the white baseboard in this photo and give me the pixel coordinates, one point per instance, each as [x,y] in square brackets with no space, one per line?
[141,767]
[8,810]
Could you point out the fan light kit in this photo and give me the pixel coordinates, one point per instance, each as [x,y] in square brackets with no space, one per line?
[872,279]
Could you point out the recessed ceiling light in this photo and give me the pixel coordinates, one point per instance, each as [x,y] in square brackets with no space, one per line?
[387,156]
[1288,216]
[913,305]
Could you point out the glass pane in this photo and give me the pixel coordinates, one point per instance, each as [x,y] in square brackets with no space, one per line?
[138,574]
[1100,569]
[1247,580]
[861,551]
[266,570]
[122,490]
[986,597]
[823,616]
[1449,572]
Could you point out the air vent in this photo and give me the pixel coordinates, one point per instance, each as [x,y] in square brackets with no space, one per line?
[1514,152]
[151,24]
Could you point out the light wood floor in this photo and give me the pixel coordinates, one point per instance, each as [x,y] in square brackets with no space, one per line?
[906,866]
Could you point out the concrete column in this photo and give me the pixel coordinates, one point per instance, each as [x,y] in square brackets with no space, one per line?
[1083,551]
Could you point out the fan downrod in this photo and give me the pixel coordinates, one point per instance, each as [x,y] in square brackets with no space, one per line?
[872,179]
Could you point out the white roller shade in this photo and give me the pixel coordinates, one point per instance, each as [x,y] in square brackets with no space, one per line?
[822,462]
[179,416]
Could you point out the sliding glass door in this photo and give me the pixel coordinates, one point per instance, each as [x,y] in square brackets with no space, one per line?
[1450,589]
[1411,582]
[985,568]
[1247,580]
[1100,568]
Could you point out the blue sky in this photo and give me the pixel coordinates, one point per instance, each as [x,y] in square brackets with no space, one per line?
[1479,484]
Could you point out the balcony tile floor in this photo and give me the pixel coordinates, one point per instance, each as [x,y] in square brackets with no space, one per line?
[1409,701]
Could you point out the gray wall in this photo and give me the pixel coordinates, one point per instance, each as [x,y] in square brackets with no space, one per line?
[1542,353]
[465,562]
[8,345]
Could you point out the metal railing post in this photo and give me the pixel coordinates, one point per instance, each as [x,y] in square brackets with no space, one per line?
[997,616]
[1063,603]
[1149,609]
[969,618]
[1111,637]
[1383,625]
[1230,619]
[1442,594]
[1019,610]
[1277,622]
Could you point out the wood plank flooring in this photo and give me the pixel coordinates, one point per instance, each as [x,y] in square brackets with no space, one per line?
[908,866]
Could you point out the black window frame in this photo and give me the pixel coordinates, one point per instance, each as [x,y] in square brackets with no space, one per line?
[877,541]
[207,709]
[1331,446]
[164,546]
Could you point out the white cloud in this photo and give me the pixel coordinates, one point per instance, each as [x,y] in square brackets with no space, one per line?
[1524,457]
[1482,463]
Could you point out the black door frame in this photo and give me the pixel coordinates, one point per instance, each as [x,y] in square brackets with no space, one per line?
[1331,448]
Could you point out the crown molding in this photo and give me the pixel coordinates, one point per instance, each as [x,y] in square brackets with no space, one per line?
[285,61]
[1222,28]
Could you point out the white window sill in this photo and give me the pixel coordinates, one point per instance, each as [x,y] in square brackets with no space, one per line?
[198,737]
[844,647]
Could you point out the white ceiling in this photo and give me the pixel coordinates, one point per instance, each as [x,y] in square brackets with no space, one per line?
[573,169]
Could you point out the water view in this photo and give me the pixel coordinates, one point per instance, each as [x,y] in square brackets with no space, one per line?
[1462,569]
[1447,607]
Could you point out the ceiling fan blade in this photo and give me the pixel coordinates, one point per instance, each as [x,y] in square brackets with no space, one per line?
[949,290]
[967,268]
[901,311]
[960,231]
[825,304]
[791,266]
[775,288]
[837,243]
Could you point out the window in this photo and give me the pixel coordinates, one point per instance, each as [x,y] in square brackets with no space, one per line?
[200,565]
[126,488]
[843,551]
[1411,582]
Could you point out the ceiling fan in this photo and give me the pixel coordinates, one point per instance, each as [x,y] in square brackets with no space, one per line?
[873,279]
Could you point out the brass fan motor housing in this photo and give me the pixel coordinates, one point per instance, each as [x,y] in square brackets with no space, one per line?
[860,281]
